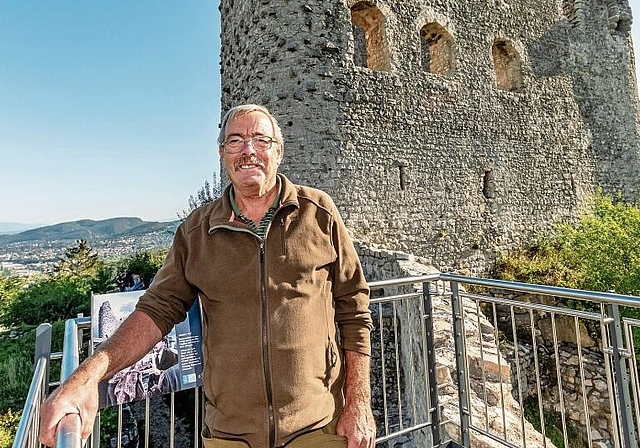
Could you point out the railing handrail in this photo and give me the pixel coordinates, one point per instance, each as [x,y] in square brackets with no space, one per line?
[69,430]
[609,297]
[31,405]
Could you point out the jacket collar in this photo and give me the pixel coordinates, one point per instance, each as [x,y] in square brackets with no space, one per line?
[222,213]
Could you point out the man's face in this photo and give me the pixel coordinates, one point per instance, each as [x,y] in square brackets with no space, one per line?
[248,169]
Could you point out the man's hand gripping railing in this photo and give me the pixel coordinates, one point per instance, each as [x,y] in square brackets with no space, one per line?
[69,432]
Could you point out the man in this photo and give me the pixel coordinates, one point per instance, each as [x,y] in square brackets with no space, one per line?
[276,272]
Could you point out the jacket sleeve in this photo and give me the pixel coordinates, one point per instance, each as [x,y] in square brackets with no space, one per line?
[350,292]
[170,295]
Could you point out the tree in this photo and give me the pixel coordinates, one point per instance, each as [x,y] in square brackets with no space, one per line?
[82,262]
[9,289]
[144,264]
[78,260]
[58,296]
[48,300]
[208,193]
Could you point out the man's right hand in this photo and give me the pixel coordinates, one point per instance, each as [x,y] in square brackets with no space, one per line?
[79,394]
[75,396]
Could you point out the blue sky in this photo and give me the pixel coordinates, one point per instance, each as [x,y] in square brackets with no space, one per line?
[109,108]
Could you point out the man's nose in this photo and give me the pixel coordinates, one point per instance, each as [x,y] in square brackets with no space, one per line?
[247,147]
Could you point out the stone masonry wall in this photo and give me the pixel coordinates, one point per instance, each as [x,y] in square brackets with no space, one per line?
[437,154]
[581,401]
[489,374]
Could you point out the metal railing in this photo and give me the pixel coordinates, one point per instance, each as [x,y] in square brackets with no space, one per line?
[457,361]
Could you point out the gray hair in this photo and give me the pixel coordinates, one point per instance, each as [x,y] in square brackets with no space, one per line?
[244,109]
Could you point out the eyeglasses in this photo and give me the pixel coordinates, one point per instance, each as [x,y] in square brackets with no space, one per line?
[259,143]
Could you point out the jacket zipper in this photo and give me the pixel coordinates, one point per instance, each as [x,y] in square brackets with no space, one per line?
[282,247]
[265,346]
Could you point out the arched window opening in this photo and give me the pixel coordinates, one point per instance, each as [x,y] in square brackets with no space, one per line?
[437,49]
[369,35]
[619,20]
[573,11]
[508,66]
[359,46]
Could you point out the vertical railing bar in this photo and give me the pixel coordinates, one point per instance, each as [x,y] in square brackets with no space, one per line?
[33,400]
[196,417]
[608,367]
[412,376]
[119,431]
[461,367]
[536,363]
[42,351]
[398,387]
[496,337]
[585,403]
[466,372]
[514,333]
[95,434]
[429,361]
[147,423]
[634,370]
[94,439]
[172,421]
[384,376]
[554,331]
[482,368]
[621,380]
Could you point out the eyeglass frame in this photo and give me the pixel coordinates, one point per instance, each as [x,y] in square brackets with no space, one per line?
[250,141]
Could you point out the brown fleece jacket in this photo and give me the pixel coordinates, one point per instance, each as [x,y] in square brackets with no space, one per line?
[273,369]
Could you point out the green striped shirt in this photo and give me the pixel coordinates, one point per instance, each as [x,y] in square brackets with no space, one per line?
[260,229]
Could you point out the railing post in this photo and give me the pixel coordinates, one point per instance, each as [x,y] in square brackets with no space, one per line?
[27,431]
[70,362]
[43,350]
[461,363]
[627,432]
[429,346]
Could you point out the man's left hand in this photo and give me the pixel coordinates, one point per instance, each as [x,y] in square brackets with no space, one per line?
[357,424]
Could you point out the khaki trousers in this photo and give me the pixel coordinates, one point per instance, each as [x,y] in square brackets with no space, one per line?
[320,438]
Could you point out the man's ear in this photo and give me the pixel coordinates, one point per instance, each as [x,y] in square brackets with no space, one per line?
[280,153]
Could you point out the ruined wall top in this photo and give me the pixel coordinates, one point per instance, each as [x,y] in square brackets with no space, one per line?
[450,129]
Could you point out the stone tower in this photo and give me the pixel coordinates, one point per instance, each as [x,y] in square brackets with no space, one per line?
[453,129]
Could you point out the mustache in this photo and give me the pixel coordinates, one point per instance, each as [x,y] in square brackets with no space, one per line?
[247,160]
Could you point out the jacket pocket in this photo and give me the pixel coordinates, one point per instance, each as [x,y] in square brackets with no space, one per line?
[331,360]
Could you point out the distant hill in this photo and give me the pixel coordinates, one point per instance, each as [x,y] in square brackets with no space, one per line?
[7,228]
[90,230]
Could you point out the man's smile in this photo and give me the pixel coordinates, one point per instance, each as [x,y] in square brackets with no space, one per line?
[247,163]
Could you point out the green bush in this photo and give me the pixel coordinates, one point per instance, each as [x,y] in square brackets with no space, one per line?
[600,252]
[9,288]
[16,364]
[8,426]
[541,263]
[604,246]
[48,300]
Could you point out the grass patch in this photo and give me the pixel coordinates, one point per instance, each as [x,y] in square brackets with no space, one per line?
[552,425]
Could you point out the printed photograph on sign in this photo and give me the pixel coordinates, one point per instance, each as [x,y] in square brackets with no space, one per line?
[173,364]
